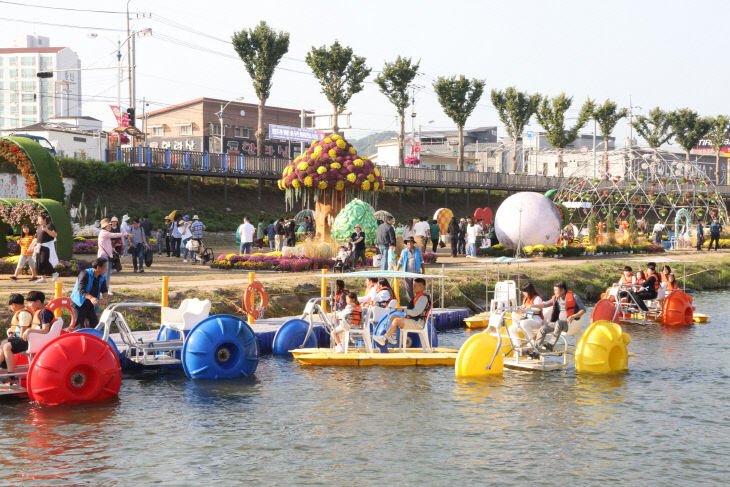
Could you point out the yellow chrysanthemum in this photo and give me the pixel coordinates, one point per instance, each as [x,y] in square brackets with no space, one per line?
[314,142]
[278,183]
[376,186]
[340,185]
[371,178]
[327,140]
[358,162]
[297,158]
[321,170]
[295,183]
[315,156]
[341,143]
[308,181]
[332,153]
[365,185]
[302,166]
[335,137]
[351,177]
[335,165]
[318,148]
[376,171]
[322,185]
[352,150]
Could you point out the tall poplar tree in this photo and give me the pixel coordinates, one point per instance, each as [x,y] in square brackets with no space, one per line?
[515,109]
[551,115]
[607,116]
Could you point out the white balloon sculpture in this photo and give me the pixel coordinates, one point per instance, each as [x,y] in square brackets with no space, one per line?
[527,219]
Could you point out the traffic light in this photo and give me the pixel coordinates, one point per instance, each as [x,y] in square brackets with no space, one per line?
[44,74]
[130,114]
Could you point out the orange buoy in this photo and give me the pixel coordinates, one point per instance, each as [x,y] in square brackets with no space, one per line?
[249,297]
[63,303]
[604,310]
[677,309]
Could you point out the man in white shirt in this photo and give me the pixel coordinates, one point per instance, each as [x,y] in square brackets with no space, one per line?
[246,232]
[471,238]
[423,233]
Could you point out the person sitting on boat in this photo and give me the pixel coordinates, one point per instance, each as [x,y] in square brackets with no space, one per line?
[371,291]
[627,277]
[415,314]
[640,276]
[664,275]
[42,316]
[672,283]
[567,307]
[531,325]
[89,290]
[19,325]
[385,293]
[647,289]
[350,317]
[339,297]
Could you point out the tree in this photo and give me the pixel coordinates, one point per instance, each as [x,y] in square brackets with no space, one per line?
[551,115]
[688,129]
[394,81]
[718,136]
[610,227]
[458,97]
[261,49]
[656,129]
[340,73]
[515,110]
[592,229]
[607,116]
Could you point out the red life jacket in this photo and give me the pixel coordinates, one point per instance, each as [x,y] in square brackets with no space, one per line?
[384,303]
[14,321]
[571,307]
[356,316]
[531,303]
[425,311]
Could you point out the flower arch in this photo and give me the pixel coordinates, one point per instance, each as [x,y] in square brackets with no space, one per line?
[40,170]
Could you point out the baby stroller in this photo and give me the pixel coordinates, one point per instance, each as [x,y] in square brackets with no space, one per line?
[200,254]
[346,264]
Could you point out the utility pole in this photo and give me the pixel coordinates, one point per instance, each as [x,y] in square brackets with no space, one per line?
[302,125]
[594,148]
[631,123]
[222,108]
[129,61]
[119,78]
[413,119]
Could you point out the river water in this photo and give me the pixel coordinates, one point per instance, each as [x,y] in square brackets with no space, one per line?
[666,422]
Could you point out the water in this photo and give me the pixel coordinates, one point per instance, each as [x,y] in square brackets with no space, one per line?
[664,423]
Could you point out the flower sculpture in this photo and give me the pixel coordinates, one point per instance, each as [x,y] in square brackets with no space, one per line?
[330,173]
[11,151]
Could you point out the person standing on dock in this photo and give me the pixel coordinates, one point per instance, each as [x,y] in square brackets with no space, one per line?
[385,237]
[245,234]
[410,261]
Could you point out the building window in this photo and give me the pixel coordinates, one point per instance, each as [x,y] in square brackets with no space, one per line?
[27,73]
[29,110]
[13,109]
[27,61]
[158,131]
[241,132]
[27,85]
[13,61]
[2,73]
[214,129]
[12,73]
[13,86]
[28,97]
[28,121]
[1,60]
[46,63]
[186,129]
[13,97]
[79,139]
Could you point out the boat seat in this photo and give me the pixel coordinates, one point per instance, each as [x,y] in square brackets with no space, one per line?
[364,332]
[36,341]
[190,313]
[505,295]
[423,333]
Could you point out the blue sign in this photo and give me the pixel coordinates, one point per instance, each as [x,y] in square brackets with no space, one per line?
[294,134]
[529,135]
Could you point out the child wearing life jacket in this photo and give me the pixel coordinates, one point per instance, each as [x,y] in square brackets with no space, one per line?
[19,325]
[350,317]
[672,283]
[339,297]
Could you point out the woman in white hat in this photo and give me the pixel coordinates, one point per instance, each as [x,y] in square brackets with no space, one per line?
[106,249]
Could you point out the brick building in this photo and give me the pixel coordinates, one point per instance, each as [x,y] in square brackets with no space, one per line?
[194,125]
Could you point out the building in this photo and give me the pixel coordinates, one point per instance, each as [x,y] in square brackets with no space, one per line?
[77,137]
[194,125]
[26,99]
[438,148]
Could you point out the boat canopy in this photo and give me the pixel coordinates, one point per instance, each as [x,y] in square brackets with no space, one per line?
[502,260]
[390,274]
[662,260]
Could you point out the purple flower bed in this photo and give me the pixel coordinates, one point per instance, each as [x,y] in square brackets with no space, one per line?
[265,262]
[86,247]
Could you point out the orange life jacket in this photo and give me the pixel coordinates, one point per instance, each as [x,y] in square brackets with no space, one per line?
[36,317]
[14,321]
[531,303]
[384,303]
[672,285]
[425,311]
[657,282]
[625,280]
[356,315]
[571,307]
[339,297]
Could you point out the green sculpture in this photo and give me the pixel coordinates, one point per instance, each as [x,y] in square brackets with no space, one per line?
[356,211]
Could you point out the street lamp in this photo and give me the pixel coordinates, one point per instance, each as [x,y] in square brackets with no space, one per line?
[220,115]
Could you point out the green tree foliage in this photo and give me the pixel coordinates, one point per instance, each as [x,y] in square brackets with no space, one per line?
[718,136]
[607,116]
[633,230]
[610,227]
[394,81]
[688,129]
[261,50]
[458,97]
[551,116]
[656,129]
[592,229]
[340,73]
[515,109]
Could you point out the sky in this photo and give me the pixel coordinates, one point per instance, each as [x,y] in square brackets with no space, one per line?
[666,53]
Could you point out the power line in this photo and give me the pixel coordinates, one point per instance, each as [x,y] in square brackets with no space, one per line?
[65,8]
[87,27]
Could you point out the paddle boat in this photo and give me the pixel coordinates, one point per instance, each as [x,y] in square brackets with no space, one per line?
[670,308]
[413,347]
[504,291]
[600,349]
[61,367]
[203,346]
